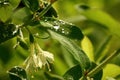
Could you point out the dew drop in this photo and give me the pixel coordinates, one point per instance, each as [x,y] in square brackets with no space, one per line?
[62,22]
[56,27]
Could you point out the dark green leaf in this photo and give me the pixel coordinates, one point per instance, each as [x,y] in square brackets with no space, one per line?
[72,48]
[22,43]
[17,73]
[98,75]
[32,4]
[61,27]
[74,73]
[31,38]
[51,12]
[7,31]
[117,77]
[46,10]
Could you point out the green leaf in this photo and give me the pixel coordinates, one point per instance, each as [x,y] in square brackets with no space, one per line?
[14,3]
[22,15]
[111,70]
[61,27]
[51,12]
[5,12]
[87,46]
[17,73]
[72,48]
[7,31]
[32,4]
[103,18]
[31,38]
[22,43]
[74,73]
[62,31]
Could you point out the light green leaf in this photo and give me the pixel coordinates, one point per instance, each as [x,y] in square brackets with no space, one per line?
[14,3]
[21,16]
[5,12]
[111,70]
[88,48]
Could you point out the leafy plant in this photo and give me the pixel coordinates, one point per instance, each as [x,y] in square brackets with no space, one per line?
[37,30]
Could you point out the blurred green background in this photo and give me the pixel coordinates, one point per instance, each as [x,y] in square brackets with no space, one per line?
[96,31]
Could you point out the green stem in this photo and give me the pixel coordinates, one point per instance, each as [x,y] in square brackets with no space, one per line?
[100,66]
[46,9]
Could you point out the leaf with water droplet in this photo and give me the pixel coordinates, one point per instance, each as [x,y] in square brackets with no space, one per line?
[17,73]
[66,29]
[73,49]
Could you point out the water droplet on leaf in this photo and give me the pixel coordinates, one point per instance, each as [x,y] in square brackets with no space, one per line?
[66,29]
[17,73]
[56,27]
